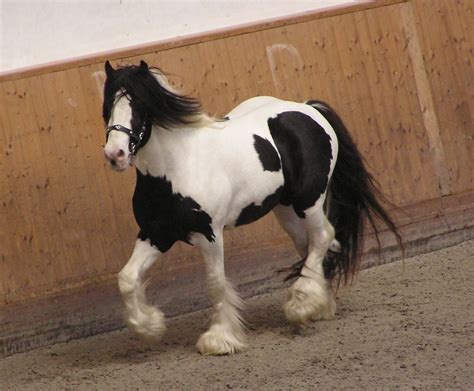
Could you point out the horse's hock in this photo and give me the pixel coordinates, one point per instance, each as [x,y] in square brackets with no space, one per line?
[398,72]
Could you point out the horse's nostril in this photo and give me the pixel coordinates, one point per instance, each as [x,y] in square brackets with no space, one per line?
[120,153]
[113,162]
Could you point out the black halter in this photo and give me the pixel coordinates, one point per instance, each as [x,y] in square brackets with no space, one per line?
[136,140]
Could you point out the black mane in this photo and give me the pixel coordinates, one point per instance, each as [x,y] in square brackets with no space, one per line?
[149,98]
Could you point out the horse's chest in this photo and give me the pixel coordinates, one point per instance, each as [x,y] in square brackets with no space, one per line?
[165,217]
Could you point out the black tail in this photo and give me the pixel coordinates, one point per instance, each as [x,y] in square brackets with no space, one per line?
[353,196]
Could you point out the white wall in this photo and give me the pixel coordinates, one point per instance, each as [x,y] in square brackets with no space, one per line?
[40,31]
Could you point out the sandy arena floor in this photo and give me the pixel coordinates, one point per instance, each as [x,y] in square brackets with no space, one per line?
[394,329]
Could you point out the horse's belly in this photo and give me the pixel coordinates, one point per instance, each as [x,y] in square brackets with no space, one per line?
[254,199]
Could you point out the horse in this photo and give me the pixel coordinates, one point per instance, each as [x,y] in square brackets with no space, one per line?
[197,175]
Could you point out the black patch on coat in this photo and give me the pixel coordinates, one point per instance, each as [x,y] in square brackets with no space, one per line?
[267,154]
[305,150]
[165,217]
[253,212]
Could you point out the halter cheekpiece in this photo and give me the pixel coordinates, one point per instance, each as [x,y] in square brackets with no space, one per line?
[135,139]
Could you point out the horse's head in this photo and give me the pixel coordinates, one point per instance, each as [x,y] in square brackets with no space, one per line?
[127,128]
[135,98]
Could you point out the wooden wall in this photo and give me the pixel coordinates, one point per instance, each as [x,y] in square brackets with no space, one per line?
[399,73]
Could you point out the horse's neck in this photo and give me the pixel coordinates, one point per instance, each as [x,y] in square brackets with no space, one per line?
[165,149]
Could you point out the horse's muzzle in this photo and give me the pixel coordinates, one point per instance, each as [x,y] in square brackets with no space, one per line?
[117,158]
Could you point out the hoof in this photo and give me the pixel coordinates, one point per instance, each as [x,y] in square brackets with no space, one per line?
[309,300]
[148,323]
[218,341]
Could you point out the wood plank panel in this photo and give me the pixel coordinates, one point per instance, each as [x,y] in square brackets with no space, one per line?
[447,41]
[53,189]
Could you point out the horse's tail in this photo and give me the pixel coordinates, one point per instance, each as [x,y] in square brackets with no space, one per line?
[353,196]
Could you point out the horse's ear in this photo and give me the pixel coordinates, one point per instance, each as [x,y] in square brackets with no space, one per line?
[143,66]
[108,69]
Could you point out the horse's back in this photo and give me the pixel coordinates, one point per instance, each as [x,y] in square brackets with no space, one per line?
[268,107]
[250,105]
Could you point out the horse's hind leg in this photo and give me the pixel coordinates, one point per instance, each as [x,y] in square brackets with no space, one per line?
[145,320]
[225,335]
[311,296]
[296,228]
[293,226]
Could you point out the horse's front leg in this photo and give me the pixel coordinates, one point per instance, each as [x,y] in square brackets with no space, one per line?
[142,318]
[226,334]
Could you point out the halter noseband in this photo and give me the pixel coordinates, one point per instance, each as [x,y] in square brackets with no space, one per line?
[135,139]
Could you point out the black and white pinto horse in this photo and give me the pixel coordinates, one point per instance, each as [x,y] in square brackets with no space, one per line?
[197,175]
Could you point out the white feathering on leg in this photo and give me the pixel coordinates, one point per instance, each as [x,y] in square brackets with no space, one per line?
[142,318]
[311,296]
[309,299]
[226,334]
